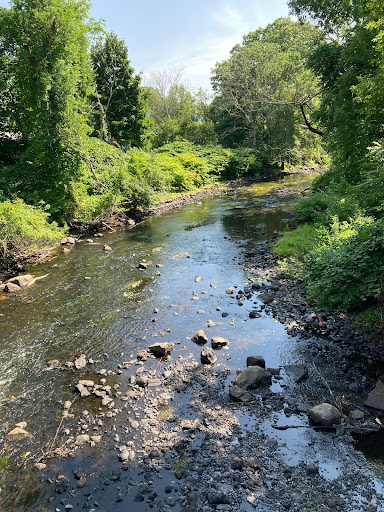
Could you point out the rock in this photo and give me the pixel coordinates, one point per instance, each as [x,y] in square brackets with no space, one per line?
[11,288]
[87,383]
[252,378]
[297,372]
[142,381]
[96,439]
[66,250]
[40,466]
[224,314]
[356,414]
[161,349]
[21,424]
[154,454]
[142,355]
[68,240]
[325,414]
[254,314]
[107,248]
[238,394]
[142,266]
[218,342]
[256,361]
[200,337]
[265,297]
[131,222]
[82,439]
[81,362]
[237,463]
[198,279]
[229,291]
[208,356]
[17,434]
[22,281]
[375,398]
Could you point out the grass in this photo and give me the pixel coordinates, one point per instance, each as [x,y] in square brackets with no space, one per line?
[296,243]
[165,412]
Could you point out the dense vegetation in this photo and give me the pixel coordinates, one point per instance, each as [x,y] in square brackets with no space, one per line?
[82,137]
[343,265]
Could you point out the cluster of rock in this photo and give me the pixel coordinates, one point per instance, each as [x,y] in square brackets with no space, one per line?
[254,377]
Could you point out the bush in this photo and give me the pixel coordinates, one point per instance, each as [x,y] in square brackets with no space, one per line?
[296,243]
[25,228]
[347,266]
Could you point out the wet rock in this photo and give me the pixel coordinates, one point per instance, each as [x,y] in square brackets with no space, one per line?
[238,394]
[229,291]
[198,279]
[22,281]
[107,248]
[208,356]
[81,482]
[68,240]
[161,349]
[154,454]
[254,314]
[297,372]
[200,337]
[237,463]
[142,266]
[17,434]
[142,355]
[81,362]
[256,361]
[142,381]
[82,390]
[11,288]
[40,466]
[218,342]
[325,414]
[66,250]
[265,297]
[224,314]
[82,439]
[375,398]
[253,377]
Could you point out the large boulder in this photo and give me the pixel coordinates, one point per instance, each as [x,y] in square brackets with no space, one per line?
[375,398]
[252,378]
[325,414]
[200,337]
[22,281]
[208,356]
[161,349]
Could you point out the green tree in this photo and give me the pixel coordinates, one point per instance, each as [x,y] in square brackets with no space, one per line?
[264,90]
[46,42]
[119,105]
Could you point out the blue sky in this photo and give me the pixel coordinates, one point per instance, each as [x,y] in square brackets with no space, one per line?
[194,34]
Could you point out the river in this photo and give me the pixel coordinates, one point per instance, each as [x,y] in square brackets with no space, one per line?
[110,316]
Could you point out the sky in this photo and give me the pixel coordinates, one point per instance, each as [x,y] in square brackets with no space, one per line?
[193,34]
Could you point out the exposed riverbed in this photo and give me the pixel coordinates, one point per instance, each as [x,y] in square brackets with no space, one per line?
[183,437]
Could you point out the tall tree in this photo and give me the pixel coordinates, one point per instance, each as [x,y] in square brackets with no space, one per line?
[351,69]
[46,43]
[119,105]
[265,87]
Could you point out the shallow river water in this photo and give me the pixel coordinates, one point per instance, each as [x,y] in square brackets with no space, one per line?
[109,317]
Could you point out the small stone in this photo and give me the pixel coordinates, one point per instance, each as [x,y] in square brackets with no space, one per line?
[82,439]
[161,349]
[238,394]
[69,240]
[256,361]
[325,414]
[199,337]
[297,372]
[17,434]
[142,266]
[218,342]
[87,278]
[208,356]
[237,463]
[81,362]
[107,248]
[40,466]
[11,288]
[356,414]
[254,314]
[198,279]
[229,291]
[67,404]
[265,298]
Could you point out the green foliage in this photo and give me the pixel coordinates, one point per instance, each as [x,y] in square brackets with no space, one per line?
[25,228]
[119,102]
[296,243]
[347,266]
[260,88]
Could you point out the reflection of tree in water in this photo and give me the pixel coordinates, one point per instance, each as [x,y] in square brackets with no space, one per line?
[255,223]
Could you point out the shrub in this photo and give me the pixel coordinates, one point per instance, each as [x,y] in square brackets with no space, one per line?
[296,243]
[24,227]
[348,264]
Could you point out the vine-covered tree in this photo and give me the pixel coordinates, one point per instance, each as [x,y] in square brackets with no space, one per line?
[119,104]
[49,78]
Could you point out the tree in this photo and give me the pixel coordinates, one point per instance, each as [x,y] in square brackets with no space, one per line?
[119,104]
[176,112]
[263,89]
[351,69]
[46,44]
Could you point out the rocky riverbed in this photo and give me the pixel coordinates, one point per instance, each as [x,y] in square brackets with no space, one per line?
[166,428]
